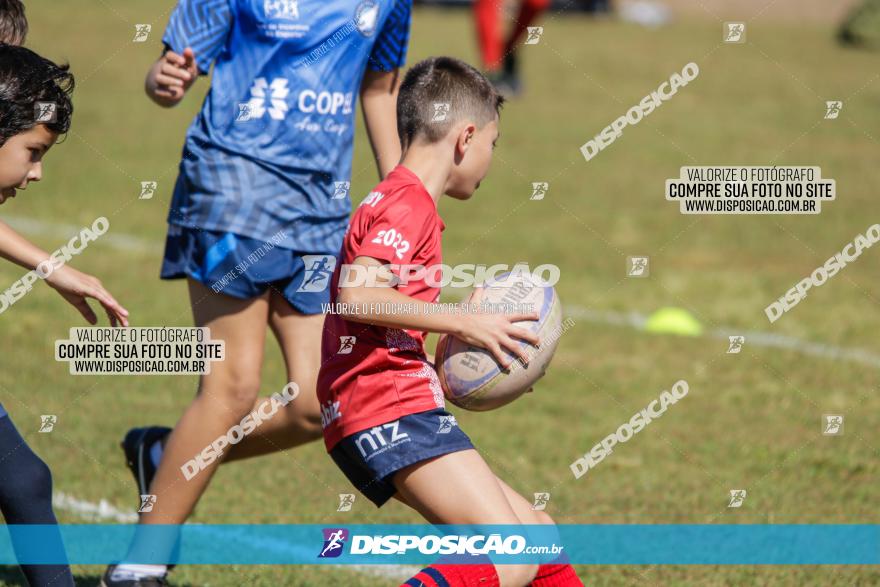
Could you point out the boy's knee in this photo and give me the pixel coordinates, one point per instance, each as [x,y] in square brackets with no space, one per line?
[308,420]
[304,414]
[542,517]
[238,393]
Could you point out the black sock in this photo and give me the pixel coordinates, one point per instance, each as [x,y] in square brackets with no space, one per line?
[26,498]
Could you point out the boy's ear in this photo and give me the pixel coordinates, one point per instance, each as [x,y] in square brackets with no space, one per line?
[466,137]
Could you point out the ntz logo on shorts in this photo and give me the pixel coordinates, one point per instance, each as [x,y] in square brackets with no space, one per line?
[380,438]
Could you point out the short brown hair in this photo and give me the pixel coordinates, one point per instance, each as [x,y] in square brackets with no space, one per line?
[13,24]
[464,92]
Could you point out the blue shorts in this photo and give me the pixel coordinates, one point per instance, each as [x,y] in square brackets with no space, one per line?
[370,458]
[245,268]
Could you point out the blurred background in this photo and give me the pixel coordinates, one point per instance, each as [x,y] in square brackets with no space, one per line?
[752,420]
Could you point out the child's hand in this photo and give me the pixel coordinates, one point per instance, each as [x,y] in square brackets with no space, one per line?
[494,331]
[171,76]
[75,286]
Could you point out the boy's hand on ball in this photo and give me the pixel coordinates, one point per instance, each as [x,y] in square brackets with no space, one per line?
[171,76]
[495,332]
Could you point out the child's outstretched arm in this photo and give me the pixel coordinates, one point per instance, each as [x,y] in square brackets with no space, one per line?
[376,305]
[19,250]
[74,286]
[170,77]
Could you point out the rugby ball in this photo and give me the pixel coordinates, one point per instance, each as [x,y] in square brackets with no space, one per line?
[471,377]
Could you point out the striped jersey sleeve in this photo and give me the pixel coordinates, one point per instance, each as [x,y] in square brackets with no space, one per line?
[389,51]
[201,24]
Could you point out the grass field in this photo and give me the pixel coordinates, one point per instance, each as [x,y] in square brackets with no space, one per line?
[751,420]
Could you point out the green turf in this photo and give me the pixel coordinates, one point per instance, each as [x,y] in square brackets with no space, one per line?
[750,421]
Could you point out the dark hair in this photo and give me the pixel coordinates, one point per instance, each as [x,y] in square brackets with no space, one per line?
[13,24]
[448,81]
[26,80]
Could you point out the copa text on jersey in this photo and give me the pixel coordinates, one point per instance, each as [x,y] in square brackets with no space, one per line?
[634,115]
[629,429]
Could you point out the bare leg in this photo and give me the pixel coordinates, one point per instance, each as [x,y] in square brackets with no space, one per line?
[523,508]
[299,336]
[226,395]
[459,488]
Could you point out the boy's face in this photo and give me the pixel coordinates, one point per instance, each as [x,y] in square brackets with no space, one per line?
[474,161]
[21,159]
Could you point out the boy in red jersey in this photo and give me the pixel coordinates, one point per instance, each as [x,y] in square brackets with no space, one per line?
[382,406]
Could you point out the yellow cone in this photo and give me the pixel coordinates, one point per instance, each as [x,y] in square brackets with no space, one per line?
[676,321]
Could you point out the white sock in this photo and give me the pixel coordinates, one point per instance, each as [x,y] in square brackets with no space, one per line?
[134,572]
[156,453]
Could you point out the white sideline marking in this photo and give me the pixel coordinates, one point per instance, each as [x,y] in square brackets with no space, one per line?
[121,241]
[127,242]
[103,511]
[757,338]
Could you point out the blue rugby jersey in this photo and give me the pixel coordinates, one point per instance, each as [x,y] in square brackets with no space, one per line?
[270,151]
